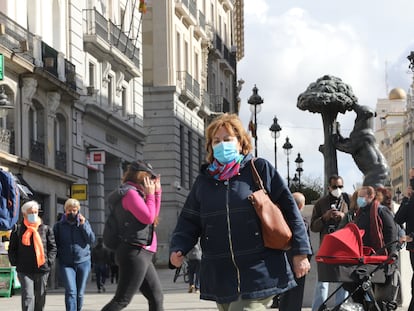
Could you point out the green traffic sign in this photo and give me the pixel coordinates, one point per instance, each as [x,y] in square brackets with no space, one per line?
[1,66]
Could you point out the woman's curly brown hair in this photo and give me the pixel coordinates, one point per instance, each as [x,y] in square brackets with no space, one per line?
[234,126]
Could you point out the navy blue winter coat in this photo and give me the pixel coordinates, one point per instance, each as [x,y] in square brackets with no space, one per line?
[73,241]
[234,260]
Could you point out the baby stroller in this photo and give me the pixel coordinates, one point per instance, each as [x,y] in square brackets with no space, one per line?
[370,279]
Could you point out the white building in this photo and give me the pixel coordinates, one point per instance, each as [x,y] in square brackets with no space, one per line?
[98,80]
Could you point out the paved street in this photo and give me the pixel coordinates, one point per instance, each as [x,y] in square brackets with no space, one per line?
[176,297]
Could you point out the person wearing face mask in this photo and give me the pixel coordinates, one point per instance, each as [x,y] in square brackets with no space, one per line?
[32,250]
[137,204]
[237,271]
[327,215]
[74,237]
[405,215]
[377,221]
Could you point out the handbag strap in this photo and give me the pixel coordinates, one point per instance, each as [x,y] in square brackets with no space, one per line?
[257,179]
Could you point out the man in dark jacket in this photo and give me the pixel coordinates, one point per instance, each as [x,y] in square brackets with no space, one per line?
[100,262]
[405,214]
[32,250]
[327,214]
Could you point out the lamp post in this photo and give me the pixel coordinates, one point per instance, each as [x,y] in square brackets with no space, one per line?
[275,129]
[287,146]
[295,180]
[299,169]
[255,102]
[4,103]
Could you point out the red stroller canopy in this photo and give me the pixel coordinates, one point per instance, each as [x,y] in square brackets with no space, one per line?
[344,246]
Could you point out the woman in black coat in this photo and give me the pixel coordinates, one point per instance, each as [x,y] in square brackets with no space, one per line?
[237,270]
[32,250]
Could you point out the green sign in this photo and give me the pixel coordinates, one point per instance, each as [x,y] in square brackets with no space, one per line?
[1,66]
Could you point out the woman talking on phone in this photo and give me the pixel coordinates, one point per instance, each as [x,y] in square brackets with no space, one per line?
[74,237]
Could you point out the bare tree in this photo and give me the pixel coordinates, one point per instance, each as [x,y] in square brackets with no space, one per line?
[328,96]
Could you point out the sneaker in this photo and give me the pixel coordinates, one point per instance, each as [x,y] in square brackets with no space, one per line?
[191,288]
[197,291]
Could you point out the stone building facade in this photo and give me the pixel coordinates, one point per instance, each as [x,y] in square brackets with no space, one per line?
[100,77]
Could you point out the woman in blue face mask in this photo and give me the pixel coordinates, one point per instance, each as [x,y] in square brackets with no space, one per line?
[74,237]
[32,250]
[217,211]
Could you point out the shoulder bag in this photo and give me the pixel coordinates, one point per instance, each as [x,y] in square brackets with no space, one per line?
[275,230]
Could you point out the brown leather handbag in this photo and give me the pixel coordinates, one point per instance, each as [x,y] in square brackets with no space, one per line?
[275,230]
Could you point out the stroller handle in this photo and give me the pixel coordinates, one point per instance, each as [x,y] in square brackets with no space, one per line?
[400,245]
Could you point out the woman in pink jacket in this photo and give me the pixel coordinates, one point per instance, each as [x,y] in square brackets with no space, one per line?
[139,197]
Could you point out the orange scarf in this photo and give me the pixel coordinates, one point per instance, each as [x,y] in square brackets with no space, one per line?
[37,241]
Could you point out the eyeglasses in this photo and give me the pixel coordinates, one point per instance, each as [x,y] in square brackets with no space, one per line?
[337,186]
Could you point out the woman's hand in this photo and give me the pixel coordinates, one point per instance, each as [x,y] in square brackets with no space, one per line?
[301,265]
[82,219]
[149,185]
[177,258]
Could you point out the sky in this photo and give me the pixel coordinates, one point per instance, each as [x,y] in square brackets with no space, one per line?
[290,44]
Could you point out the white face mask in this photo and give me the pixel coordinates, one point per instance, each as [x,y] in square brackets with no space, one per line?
[336,192]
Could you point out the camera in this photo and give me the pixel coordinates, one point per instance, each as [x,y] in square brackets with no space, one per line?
[331,228]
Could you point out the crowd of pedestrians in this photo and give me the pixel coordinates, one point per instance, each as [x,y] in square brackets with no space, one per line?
[217,232]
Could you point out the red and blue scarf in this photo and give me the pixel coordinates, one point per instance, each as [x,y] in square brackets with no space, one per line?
[225,171]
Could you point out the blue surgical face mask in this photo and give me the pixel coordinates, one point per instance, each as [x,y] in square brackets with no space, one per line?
[32,218]
[361,202]
[226,151]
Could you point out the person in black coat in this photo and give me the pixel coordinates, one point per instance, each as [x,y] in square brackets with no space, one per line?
[405,214]
[32,250]
[237,271]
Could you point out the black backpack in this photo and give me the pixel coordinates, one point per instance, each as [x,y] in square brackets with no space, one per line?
[111,234]
[114,227]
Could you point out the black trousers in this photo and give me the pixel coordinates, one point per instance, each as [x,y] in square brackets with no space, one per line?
[136,272]
[411,307]
[292,299]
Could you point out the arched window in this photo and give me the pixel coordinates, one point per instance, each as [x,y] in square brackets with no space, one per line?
[37,132]
[60,142]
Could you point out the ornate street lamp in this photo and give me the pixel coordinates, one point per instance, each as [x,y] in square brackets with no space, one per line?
[287,146]
[255,102]
[275,129]
[299,169]
[4,103]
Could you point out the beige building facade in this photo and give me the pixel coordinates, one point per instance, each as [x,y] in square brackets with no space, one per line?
[190,54]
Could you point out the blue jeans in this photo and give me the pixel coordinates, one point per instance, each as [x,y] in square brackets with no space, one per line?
[321,294]
[74,279]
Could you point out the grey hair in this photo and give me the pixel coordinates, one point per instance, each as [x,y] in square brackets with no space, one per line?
[28,205]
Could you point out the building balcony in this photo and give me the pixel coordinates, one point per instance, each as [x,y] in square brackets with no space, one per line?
[6,140]
[106,41]
[228,62]
[187,11]
[189,89]
[60,161]
[37,151]
[28,53]
[200,29]
[227,5]
[219,104]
